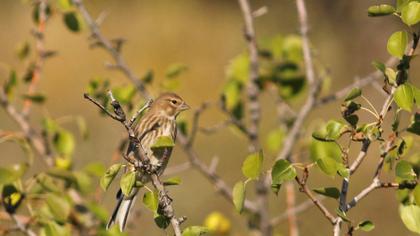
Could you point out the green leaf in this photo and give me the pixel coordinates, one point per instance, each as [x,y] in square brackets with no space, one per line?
[379,65]
[404,97]
[36,98]
[81,124]
[416,194]
[99,210]
[195,231]
[330,132]
[51,228]
[328,191]
[410,216]
[72,21]
[381,10]
[127,182]
[150,200]
[404,170]
[162,221]
[163,142]
[83,182]
[148,77]
[342,215]
[11,83]
[63,142]
[95,168]
[7,175]
[109,176]
[397,44]
[172,181]
[239,196]
[366,226]
[327,155]
[252,166]
[64,5]
[410,14]
[175,70]
[282,171]
[124,94]
[275,139]
[354,93]
[232,94]
[415,124]
[238,69]
[59,206]
[23,50]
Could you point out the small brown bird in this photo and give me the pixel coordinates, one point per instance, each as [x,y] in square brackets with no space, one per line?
[159,120]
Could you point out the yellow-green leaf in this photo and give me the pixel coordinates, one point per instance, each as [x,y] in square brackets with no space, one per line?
[404,97]
[252,166]
[109,176]
[150,200]
[397,44]
[127,182]
[239,196]
[410,13]
[410,216]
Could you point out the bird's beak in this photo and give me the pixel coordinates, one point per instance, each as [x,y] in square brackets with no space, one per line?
[184,106]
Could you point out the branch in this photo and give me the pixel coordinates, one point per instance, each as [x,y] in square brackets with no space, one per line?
[120,64]
[40,50]
[254,111]
[31,135]
[367,80]
[312,83]
[317,202]
[22,226]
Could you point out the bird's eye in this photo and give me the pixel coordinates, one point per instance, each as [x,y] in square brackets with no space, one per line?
[174,102]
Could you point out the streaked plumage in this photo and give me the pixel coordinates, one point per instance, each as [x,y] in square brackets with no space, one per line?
[159,120]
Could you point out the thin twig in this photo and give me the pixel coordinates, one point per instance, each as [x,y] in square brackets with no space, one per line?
[254,111]
[40,50]
[116,55]
[360,83]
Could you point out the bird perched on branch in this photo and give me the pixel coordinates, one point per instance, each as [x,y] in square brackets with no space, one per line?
[159,120]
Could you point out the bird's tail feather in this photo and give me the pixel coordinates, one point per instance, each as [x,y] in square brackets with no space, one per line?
[121,211]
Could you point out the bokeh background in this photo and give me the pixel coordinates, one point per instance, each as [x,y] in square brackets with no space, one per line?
[205,35]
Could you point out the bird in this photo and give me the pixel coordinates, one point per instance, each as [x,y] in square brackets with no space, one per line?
[159,120]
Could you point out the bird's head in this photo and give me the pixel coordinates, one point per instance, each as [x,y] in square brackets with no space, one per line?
[170,104]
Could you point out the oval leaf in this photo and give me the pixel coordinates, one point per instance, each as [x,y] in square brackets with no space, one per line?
[59,207]
[127,182]
[410,14]
[410,216]
[109,176]
[354,93]
[282,171]
[397,44]
[150,200]
[405,171]
[239,196]
[328,191]
[251,168]
[195,231]
[381,10]
[404,97]
[366,226]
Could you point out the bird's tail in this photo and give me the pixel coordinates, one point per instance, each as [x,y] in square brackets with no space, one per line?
[122,210]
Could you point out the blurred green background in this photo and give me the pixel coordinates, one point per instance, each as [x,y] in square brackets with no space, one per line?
[204,35]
